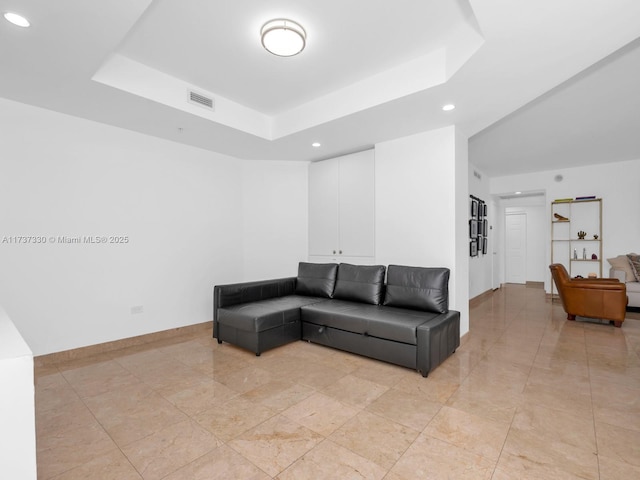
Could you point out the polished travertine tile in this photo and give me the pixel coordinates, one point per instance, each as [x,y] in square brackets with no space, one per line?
[619,444]
[109,466]
[235,416]
[198,398]
[279,395]
[223,463]
[528,395]
[71,448]
[376,438]
[406,408]
[275,444]
[133,412]
[329,461]
[321,413]
[166,450]
[435,459]
[471,432]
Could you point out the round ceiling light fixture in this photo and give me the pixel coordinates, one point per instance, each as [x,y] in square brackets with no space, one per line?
[16,19]
[283,37]
[448,107]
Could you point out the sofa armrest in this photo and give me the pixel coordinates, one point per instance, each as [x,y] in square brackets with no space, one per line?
[619,274]
[235,293]
[436,340]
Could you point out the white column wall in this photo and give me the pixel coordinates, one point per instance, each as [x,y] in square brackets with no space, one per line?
[419,183]
[17,404]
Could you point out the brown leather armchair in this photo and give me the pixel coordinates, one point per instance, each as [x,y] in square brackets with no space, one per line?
[604,298]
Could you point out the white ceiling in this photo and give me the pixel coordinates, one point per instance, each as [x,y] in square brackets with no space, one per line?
[537,85]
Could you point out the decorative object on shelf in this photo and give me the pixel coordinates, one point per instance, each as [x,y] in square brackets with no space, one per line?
[563,200]
[582,234]
[589,197]
[575,254]
[584,253]
[594,256]
[593,275]
[595,237]
[560,217]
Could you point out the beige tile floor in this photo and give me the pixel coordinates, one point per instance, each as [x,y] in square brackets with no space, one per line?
[528,396]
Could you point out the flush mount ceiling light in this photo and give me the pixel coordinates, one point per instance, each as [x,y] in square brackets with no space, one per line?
[16,19]
[283,37]
[448,107]
[316,144]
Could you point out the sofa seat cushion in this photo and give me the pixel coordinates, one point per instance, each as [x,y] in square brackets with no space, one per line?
[264,314]
[389,323]
[633,287]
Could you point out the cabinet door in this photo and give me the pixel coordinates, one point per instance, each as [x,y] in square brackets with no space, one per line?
[356,228]
[323,208]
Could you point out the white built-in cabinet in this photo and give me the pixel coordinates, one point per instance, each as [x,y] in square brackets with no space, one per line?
[341,209]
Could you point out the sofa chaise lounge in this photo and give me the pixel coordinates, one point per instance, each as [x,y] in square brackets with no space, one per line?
[406,321]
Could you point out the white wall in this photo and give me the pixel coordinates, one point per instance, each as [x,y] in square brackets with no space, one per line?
[418,193]
[480,266]
[181,208]
[275,213]
[615,183]
[17,404]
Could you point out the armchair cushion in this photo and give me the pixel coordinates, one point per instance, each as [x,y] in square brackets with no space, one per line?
[634,260]
[622,262]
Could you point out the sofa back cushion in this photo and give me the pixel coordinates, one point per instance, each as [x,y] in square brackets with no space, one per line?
[418,288]
[316,279]
[360,283]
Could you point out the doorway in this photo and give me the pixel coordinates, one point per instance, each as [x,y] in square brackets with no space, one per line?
[515,248]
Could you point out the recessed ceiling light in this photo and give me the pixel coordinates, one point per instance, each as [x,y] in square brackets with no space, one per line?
[283,37]
[16,19]
[316,144]
[518,193]
[448,107]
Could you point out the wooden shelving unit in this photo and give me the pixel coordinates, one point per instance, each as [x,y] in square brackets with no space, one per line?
[566,247]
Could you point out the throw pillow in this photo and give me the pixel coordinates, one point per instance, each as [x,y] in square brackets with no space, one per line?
[316,279]
[634,260]
[360,283]
[418,288]
[622,262]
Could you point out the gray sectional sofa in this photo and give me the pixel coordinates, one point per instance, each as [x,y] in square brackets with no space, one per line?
[406,321]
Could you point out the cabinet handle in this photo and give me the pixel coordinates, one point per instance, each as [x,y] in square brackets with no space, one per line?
[340,252]
[334,252]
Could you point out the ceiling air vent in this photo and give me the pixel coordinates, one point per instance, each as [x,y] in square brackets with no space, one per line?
[200,100]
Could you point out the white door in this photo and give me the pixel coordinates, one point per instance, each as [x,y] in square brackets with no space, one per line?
[493,246]
[515,248]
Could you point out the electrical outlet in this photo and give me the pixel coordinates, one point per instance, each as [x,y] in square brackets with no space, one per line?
[137,309]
